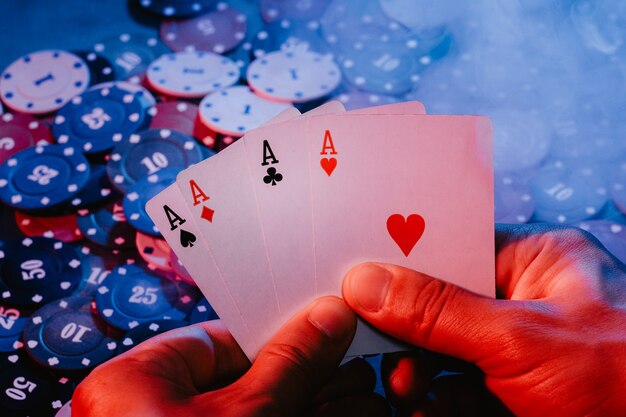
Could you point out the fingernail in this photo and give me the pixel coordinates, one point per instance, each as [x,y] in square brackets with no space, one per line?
[333,317]
[368,285]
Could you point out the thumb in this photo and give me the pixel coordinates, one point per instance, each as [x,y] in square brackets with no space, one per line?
[425,311]
[301,357]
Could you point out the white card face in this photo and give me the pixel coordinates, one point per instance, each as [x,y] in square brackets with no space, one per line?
[172,216]
[409,190]
[198,260]
[219,194]
[278,160]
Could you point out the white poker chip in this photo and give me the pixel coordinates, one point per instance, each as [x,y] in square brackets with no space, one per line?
[192,74]
[294,75]
[43,81]
[236,110]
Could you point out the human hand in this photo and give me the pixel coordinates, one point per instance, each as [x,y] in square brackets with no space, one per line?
[555,346]
[200,371]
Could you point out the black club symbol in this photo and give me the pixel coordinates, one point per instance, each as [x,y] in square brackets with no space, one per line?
[272,176]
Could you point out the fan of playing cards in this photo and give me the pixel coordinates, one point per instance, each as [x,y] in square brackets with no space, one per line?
[277,219]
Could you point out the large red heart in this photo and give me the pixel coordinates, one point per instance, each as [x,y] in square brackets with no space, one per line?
[328,165]
[407,232]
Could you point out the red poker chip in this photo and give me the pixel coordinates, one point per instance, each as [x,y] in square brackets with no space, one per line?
[63,228]
[155,251]
[20,131]
[175,115]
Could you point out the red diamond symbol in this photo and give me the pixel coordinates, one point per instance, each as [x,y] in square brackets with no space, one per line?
[207,214]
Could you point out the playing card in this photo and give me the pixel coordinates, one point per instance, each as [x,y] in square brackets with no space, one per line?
[174,219]
[411,190]
[219,194]
[277,157]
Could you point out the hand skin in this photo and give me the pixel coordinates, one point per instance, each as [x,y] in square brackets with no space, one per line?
[554,346]
[200,371]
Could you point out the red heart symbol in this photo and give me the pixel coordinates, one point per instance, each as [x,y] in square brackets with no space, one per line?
[328,165]
[407,232]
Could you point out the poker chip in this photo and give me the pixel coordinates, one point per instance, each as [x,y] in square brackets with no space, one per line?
[273,10]
[138,195]
[131,295]
[219,31]
[381,68]
[175,115]
[63,228]
[29,390]
[289,35]
[97,191]
[177,8]
[521,140]
[43,177]
[148,152]
[611,234]
[568,195]
[294,76]
[107,226]
[514,201]
[146,331]
[130,54]
[20,131]
[13,320]
[192,74]
[100,69]
[43,81]
[144,96]
[355,99]
[202,312]
[37,270]
[67,334]
[155,251]
[618,187]
[97,262]
[236,110]
[98,119]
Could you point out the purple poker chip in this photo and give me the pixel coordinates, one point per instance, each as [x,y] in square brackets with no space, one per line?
[514,202]
[219,31]
[611,234]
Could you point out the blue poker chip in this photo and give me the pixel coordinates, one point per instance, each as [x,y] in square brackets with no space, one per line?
[147,330]
[202,312]
[43,177]
[130,54]
[37,270]
[289,34]
[565,194]
[148,152]
[100,69]
[513,200]
[273,10]
[12,322]
[97,262]
[27,389]
[67,334]
[107,226]
[139,194]
[177,8]
[132,295]
[98,119]
[98,190]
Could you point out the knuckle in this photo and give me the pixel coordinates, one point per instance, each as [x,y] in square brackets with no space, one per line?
[430,305]
[298,363]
